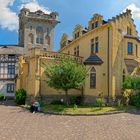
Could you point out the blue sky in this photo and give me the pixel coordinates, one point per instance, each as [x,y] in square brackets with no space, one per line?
[71,12]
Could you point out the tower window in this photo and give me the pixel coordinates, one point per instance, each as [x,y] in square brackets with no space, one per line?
[31,37]
[48,39]
[40,35]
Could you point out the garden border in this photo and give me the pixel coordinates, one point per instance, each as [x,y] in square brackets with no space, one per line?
[70,114]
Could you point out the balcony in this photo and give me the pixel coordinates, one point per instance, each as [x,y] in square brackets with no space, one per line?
[53,55]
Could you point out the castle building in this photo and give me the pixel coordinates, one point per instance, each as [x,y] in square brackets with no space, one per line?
[109,49]
[36,30]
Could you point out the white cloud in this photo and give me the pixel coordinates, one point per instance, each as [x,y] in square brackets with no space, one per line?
[34,6]
[135,10]
[9,18]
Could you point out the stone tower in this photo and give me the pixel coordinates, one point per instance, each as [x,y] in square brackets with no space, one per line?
[36,29]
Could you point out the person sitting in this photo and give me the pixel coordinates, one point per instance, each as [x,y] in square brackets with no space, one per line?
[35,107]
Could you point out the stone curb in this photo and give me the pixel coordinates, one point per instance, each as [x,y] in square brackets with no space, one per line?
[69,114]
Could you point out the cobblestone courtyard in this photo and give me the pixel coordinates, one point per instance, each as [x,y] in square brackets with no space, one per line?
[19,124]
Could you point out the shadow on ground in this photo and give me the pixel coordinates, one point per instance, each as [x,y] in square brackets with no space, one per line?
[9,102]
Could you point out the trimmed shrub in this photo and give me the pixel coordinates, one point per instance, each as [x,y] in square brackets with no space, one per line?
[135,100]
[2,97]
[21,96]
[100,102]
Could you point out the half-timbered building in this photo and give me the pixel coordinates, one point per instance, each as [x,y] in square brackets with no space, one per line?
[9,68]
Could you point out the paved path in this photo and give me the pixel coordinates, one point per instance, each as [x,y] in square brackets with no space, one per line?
[19,124]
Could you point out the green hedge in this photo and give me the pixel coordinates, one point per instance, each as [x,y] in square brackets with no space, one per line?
[20,97]
[2,97]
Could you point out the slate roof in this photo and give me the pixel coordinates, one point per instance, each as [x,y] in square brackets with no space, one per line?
[11,49]
[93,60]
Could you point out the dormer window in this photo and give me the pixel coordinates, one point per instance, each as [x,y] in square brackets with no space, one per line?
[40,35]
[129,31]
[96,24]
[77,35]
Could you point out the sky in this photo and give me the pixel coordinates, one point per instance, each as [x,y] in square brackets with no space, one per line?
[71,12]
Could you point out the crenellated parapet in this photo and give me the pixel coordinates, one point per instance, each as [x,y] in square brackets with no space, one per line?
[39,14]
[127,14]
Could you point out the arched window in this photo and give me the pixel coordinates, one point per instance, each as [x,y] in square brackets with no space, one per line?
[31,37]
[93,78]
[39,35]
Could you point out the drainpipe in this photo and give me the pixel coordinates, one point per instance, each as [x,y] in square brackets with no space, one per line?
[108,49]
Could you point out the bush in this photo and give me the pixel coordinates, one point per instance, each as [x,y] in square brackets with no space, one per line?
[75,107]
[100,102]
[21,96]
[135,100]
[2,97]
[78,100]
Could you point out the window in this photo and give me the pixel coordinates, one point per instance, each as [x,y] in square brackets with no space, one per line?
[76,51]
[40,35]
[10,88]
[123,75]
[92,46]
[11,69]
[93,78]
[96,45]
[77,35]
[48,31]
[96,24]
[48,39]
[130,48]
[31,37]
[129,31]
[137,50]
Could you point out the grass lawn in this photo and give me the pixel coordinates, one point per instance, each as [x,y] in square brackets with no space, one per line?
[81,109]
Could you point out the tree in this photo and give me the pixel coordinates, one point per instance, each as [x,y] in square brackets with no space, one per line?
[65,74]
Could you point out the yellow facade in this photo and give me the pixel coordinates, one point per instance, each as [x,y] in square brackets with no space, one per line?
[113,50]
[118,49]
